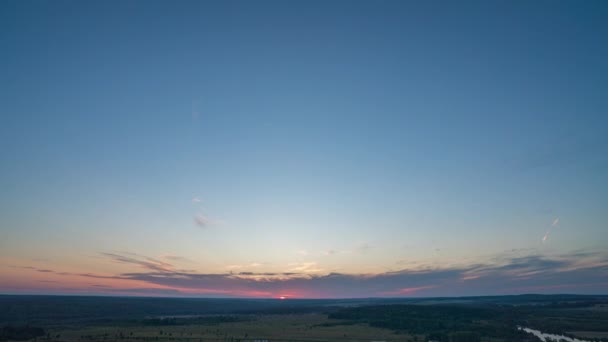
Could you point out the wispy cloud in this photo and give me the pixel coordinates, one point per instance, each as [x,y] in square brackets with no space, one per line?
[147,263]
[252,265]
[408,291]
[201,219]
[304,267]
[146,291]
[175,258]
[143,262]
[554,224]
[505,274]
[204,221]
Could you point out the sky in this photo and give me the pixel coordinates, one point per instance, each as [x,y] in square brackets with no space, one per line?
[305,149]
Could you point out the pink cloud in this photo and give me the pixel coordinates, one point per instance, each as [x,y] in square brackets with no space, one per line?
[406,291]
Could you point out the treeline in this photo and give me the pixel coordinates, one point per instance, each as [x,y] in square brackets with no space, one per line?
[203,320]
[42,310]
[20,333]
[440,323]
[563,318]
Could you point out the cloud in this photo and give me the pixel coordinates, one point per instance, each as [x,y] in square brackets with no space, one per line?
[175,258]
[253,264]
[146,291]
[554,224]
[578,272]
[145,262]
[469,277]
[203,221]
[141,261]
[407,291]
[304,267]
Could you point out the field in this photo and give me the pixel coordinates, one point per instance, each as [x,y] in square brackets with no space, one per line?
[306,327]
[495,319]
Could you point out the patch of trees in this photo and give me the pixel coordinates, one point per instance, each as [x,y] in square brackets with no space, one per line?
[443,323]
[20,333]
[562,320]
[202,320]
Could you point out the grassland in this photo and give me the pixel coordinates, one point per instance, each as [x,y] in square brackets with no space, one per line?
[488,319]
[303,327]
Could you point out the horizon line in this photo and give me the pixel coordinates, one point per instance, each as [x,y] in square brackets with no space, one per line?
[299,298]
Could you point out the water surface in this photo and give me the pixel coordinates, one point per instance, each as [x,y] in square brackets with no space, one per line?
[550,337]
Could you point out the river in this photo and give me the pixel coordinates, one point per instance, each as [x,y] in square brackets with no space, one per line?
[550,337]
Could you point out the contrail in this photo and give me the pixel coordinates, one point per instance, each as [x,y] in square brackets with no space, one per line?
[553,225]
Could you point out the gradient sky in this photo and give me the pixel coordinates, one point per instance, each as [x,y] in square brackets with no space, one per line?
[303,148]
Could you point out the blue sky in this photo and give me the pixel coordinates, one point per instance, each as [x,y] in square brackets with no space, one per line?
[306,137]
